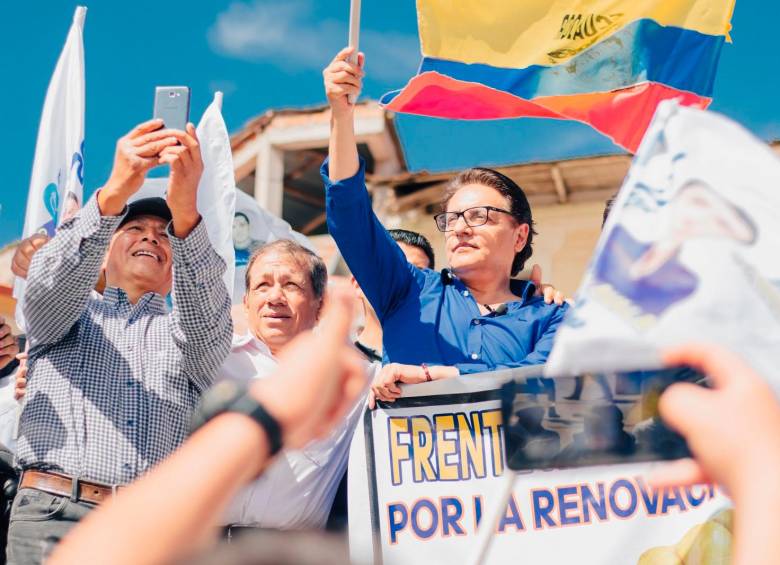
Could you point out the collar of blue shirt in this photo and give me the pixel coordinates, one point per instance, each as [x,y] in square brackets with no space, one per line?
[523,289]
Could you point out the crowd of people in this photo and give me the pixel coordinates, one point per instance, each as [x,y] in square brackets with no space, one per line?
[111,377]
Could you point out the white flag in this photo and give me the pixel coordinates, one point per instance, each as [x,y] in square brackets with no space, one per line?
[253,226]
[57,181]
[235,222]
[217,189]
[689,253]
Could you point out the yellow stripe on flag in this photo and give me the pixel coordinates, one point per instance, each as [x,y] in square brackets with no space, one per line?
[521,33]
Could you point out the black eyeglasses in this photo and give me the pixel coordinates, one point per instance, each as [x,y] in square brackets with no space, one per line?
[476,216]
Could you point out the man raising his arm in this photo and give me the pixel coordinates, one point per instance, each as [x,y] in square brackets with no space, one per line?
[113,378]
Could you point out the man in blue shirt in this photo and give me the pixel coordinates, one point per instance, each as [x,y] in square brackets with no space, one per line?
[469,318]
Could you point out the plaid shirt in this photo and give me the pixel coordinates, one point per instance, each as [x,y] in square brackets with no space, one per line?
[112,385]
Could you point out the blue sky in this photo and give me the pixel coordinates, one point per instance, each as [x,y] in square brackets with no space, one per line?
[269,54]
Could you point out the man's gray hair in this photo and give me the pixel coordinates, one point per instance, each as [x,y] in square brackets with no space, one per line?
[318,273]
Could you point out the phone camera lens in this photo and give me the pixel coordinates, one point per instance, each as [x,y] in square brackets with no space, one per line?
[171,94]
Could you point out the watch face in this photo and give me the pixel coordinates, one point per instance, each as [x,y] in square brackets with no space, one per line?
[216,400]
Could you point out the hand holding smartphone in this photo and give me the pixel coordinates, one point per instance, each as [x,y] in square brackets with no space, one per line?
[590,419]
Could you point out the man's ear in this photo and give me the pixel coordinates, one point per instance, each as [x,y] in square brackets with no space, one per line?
[522,237]
[104,265]
[246,303]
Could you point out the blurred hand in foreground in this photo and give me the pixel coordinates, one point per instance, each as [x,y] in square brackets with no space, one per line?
[732,431]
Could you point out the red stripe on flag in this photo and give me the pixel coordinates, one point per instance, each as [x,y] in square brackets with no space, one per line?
[622,115]
[439,96]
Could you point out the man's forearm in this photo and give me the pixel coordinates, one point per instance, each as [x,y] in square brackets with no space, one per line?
[342,147]
[184,221]
[755,534]
[201,306]
[755,507]
[208,471]
[111,201]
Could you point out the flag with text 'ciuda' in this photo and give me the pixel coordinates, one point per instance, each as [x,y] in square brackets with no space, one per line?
[607,63]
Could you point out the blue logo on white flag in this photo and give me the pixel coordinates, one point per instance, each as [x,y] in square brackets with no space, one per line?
[78,161]
[51,199]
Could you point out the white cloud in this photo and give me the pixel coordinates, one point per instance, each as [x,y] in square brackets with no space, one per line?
[284,33]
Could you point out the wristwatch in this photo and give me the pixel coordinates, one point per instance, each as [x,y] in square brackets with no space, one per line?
[231,396]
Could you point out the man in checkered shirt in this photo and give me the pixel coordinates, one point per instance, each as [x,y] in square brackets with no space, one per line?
[113,379]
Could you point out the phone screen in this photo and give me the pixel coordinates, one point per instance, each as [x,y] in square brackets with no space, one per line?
[591,419]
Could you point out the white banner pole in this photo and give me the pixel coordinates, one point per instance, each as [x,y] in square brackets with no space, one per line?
[354,36]
[489,522]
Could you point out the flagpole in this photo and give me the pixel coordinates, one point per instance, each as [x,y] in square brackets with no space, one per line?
[354,36]
[79,15]
[490,519]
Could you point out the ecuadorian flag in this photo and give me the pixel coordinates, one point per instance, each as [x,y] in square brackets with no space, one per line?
[607,63]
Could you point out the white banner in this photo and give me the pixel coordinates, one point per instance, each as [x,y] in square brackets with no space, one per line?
[252,227]
[423,471]
[57,181]
[217,188]
[689,253]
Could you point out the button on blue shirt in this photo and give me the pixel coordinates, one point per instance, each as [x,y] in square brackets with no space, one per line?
[428,316]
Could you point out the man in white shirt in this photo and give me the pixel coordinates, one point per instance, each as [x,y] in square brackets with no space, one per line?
[285,283]
[9,408]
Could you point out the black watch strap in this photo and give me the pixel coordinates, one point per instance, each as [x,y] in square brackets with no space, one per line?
[248,406]
[230,396]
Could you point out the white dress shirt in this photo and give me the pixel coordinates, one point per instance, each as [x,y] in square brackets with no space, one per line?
[9,412]
[297,491]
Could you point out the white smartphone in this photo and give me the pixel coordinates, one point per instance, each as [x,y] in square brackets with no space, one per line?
[172,105]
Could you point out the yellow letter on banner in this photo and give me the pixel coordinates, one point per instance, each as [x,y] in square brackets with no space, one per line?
[472,452]
[491,419]
[444,447]
[422,449]
[398,451]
